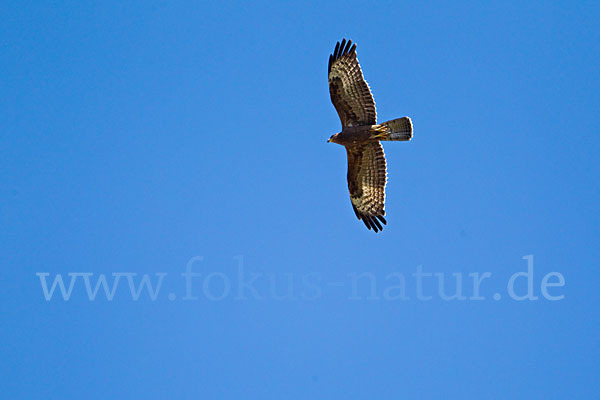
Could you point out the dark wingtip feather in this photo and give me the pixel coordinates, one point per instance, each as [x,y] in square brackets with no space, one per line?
[372,222]
[347,49]
[377,223]
[335,52]
[382,219]
[364,220]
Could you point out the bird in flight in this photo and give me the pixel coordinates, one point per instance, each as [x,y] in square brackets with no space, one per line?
[361,135]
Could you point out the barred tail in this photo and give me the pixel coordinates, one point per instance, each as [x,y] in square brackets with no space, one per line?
[399,129]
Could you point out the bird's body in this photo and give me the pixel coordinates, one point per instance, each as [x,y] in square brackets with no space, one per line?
[357,135]
[360,135]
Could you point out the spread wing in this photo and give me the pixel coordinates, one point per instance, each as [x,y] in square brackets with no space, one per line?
[367,176]
[350,93]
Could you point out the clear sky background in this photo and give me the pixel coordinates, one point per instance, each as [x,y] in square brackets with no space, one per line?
[135,136]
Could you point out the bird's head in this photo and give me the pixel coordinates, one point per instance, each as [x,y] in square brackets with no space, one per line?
[333,138]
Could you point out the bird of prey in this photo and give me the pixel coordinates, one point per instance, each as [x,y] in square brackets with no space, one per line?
[361,135]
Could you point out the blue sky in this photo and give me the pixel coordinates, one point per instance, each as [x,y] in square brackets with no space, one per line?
[137,137]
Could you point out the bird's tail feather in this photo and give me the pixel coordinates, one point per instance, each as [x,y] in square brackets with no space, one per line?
[398,129]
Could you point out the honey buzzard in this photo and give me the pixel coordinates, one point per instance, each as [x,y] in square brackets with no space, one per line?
[361,135]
